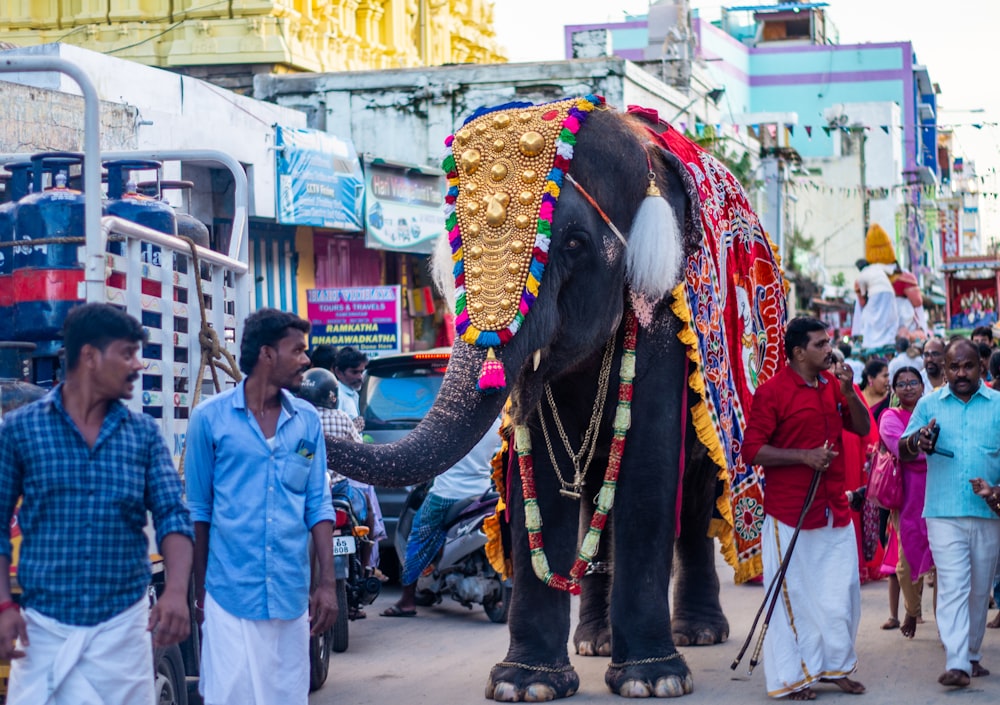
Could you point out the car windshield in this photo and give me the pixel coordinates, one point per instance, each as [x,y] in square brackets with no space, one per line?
[401,395]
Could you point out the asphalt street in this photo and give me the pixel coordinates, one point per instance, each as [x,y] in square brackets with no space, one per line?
[443,657]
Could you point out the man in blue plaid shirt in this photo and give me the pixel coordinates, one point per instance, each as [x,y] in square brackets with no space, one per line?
[88,470]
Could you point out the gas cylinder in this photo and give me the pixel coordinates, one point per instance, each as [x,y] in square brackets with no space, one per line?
[17,188]
[187,225]
[47,277]
[126,202]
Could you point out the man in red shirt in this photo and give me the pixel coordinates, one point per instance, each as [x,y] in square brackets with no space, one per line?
[794,431]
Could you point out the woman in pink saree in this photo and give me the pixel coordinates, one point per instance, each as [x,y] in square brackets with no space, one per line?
[911,530]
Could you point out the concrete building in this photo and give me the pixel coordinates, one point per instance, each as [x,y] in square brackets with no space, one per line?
[785,58]
[150,109]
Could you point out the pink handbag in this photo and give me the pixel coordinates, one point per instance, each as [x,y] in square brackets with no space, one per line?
[885,479]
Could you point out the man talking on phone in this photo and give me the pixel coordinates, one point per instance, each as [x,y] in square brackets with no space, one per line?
[956,428]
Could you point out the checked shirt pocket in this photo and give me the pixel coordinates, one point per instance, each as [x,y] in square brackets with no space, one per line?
[294,473]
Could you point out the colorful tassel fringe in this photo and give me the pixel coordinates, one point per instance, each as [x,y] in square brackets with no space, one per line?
[491,376]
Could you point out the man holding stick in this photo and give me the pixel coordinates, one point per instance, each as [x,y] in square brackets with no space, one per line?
[795,433]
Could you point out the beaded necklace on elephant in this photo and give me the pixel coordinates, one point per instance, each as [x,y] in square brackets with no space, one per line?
[589,443]
[606,496]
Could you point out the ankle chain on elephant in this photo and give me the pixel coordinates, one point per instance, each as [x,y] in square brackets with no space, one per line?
[589,443]
[606,495]
[529,667]
[644,661]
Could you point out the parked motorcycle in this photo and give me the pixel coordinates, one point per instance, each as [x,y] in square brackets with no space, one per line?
[354,588]
[461,569]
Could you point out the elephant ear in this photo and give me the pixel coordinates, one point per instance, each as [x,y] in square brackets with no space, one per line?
[654,261]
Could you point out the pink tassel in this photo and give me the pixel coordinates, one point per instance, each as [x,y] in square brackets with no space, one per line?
[491,376]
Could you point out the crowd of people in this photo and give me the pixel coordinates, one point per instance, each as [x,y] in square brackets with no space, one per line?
[79,634]
[814,427]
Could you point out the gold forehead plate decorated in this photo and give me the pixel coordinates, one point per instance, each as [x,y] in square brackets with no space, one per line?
[503,160]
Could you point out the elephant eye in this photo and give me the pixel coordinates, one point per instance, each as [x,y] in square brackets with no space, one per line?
[574,243]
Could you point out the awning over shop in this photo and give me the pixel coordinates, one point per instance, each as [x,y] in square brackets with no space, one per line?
[319,180]
[403,209]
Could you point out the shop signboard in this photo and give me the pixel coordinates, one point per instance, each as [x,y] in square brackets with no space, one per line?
[319,180]
[403,210]
[364,317]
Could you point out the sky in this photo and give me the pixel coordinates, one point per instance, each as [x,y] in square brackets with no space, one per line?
[954,40]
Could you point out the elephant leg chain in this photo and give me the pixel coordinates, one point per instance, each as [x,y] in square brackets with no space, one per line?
[589,444]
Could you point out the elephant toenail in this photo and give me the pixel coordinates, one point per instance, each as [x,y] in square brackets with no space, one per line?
[505,692]
[681,639]
[585,648]
[539,693]
[670,687]
[634,689]
[705,637]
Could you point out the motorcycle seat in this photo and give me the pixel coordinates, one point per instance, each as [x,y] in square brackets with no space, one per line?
[457,510]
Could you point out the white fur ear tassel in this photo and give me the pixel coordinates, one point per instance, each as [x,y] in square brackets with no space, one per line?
[654,256]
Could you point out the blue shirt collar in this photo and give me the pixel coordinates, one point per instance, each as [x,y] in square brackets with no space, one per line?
[240,399]
[980,391]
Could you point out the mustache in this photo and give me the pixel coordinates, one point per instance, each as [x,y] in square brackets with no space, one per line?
[133,377]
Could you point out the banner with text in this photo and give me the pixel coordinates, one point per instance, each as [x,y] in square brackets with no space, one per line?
[403,209]
[319,182]
[366,318]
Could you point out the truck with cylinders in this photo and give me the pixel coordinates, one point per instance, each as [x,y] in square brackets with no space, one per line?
[64,241]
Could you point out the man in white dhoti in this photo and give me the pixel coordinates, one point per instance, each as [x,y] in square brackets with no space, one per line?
[795,431]
[255,468]
[876,318]
[88,470]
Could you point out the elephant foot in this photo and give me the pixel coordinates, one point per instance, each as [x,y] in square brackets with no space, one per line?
[520,682]
[666,677]
[592,639]
[699,632]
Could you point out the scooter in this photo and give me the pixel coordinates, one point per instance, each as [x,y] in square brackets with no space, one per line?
[354,588]
[461,568]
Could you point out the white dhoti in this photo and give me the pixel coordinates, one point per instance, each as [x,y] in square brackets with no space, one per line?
[108,663]
[253,662]
[812,631]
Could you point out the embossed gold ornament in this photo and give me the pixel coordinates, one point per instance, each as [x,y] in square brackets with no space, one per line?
[496,210]
[531,144]
[498,224]
[470,161]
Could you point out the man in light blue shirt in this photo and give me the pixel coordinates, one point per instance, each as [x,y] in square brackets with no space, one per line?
[255,470]
[958,427]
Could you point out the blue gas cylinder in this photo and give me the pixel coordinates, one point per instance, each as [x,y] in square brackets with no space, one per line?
[17,188]
[47,277]
[124,201]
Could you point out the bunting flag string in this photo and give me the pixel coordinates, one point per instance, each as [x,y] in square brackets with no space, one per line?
[754,129]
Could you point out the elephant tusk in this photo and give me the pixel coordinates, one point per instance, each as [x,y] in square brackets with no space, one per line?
[536,360]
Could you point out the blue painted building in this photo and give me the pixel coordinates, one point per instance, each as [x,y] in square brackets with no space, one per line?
[785,58]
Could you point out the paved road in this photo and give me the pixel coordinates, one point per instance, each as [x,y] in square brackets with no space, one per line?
[443,657]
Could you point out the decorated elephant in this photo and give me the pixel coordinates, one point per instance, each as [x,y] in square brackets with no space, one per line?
[612,281]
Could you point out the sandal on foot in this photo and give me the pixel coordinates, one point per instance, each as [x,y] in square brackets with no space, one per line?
[978,671]
[357,613]
[845,684]
[954,677]
[396,611]
[909,627]
[995,622]
[804,694]
[891,623]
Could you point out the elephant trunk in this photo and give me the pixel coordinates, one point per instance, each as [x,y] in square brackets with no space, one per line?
[460,416]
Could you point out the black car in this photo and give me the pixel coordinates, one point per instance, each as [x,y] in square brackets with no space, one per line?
[397,393]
